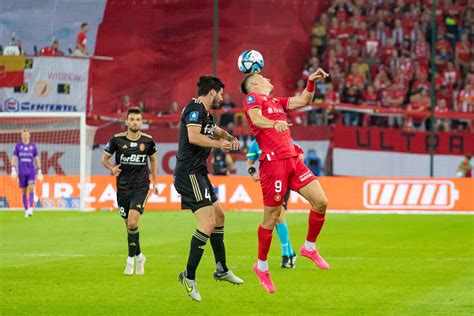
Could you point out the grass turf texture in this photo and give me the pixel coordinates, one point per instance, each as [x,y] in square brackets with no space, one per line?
[72,263]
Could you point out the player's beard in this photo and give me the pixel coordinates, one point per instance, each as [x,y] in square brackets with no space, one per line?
[134,129]
[216,103]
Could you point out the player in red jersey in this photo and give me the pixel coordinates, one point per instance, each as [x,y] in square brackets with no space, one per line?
[280,166]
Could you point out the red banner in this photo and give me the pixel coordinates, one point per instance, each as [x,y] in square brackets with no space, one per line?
[392,140]
[160,48]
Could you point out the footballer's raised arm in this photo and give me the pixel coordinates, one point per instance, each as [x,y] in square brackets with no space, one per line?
[307,95]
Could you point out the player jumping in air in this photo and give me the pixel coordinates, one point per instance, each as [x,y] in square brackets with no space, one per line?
[26,156]
[280,167]
[132,150]
[197,135]
[288,258]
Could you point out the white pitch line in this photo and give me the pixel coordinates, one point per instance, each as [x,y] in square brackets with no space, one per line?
[76,255]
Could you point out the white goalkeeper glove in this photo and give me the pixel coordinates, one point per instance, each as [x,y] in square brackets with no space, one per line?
[14,174]
[40,175]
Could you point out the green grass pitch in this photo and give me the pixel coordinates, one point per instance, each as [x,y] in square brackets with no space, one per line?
[72,263]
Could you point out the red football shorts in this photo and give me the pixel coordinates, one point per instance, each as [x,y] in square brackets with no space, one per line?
[276,176]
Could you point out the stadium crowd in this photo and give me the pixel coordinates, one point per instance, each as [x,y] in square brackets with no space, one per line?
[378,54]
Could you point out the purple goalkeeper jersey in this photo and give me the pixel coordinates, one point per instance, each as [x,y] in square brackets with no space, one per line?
[26,154]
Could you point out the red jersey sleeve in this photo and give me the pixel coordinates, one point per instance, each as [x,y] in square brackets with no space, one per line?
[285,102]
[252,101]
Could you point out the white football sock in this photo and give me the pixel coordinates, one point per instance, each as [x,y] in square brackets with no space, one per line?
[263,265]
[140,256]
[308,245]
[131,260]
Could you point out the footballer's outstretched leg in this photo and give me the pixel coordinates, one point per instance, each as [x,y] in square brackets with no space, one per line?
[222,273]
[265,234]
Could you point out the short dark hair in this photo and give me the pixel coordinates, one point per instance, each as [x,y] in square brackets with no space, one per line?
[133,111]
[243,84]
[84,24]
[207,83]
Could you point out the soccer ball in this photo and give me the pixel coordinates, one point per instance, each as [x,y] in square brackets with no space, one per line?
[250,61]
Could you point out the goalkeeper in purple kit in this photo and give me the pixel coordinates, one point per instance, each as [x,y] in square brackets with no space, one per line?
[26,159]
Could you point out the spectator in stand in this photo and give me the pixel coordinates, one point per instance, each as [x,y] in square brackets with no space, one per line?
[319,37]
[81,41]
[465,168]
[353,96]
[463,48]
[222,162]
[418,103]
[465,102]
[442,124]
[381,33]
[330,98]
[398,33]
[372,43]
[141,106]
[52,50]
[125,105]
[355,78]
[300,86]
[174,110]
[227,118]
[381,81]
[393,99]
[451,76]
[313,162]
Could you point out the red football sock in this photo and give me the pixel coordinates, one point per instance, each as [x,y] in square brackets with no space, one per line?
[315,224]
[264,242]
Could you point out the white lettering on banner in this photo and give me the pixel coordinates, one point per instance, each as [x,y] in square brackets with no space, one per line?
[89,187]
[62,190]
[45,190]
[240,195]
[175,196]
[64,76]
[109,194]
[221,190]
[153,198]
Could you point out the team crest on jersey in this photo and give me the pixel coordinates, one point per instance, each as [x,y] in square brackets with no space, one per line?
[141,147]
[278,197]
[193,116]
[250,99]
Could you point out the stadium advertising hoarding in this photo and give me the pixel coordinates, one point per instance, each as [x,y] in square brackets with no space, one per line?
[240,192]
[51,84]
